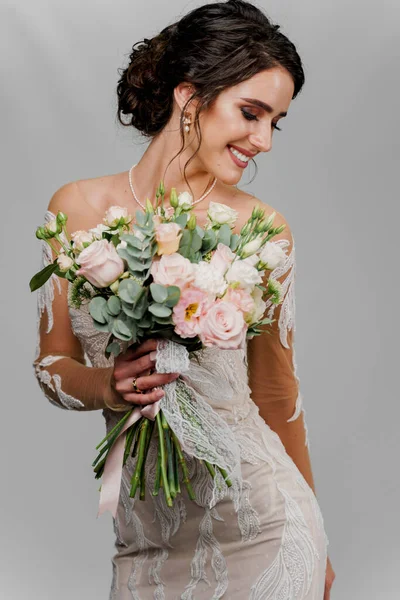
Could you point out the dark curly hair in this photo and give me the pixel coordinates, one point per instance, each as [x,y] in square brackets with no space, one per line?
[213,47]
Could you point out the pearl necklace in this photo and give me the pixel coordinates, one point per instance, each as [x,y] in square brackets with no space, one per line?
[144,208]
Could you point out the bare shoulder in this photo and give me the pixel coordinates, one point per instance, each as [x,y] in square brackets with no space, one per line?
[84,201]
[244,204]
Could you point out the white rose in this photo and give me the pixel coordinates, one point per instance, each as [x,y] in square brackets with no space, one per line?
[209,278]
[98,231]
[252,260]
[185,200]
[252,247]
[64,262]
[80,238]
[272,255]
[245,274]
[117,215]
[100,263]
[219,213]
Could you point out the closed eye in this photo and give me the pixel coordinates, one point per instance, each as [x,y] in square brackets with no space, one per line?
[251,117]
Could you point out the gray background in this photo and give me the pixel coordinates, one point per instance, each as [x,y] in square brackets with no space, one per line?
[331,173]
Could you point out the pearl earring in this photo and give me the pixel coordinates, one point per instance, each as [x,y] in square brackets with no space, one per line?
[187,121]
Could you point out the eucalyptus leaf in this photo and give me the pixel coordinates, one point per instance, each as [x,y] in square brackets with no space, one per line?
[128,290]
[174,293]
[160,310]
[234,241]
[209,240]
[199,231]
[182,220]
[100,326]
[159,292]
[224,234]
[140,217]
[96,306]
[114,348]
[128,309]
[137,265]
[114,305]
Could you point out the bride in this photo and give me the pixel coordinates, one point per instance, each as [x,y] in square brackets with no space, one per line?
[209,91]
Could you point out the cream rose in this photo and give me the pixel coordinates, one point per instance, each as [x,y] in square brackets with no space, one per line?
[167,237]
[98,230]
[117,215]
[219,213]
[100,263]
[185,200]
[223,326]
[81,239]
[259,306]
[172,269]
[272,255]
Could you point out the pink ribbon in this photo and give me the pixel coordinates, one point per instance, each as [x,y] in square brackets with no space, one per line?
[112,474]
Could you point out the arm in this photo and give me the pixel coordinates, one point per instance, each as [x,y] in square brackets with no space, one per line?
[60,366]
[272,365]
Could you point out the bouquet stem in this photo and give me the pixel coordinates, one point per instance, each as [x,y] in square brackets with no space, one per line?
[185,471]
[163,460]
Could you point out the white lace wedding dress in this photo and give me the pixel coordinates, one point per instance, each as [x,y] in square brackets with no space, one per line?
[274,546]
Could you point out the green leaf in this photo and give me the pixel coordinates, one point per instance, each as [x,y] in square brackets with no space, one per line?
[199,231]
[114,348]
[40,278]
[114,305]
[128,309]
[96,306]
[100,326]
[174,293]
[159,292]
[140,306]
[182,220]
[163,320]
[128,290]
[159,310]
[234,241]
[224,234]
[137,265]
[140,217]
[209,240]
[121,330]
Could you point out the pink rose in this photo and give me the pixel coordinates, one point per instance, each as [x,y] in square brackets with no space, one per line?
[100,263]
[172,269]
[240,298]
[223,326]
[192,304]
[222,258]
[167,237]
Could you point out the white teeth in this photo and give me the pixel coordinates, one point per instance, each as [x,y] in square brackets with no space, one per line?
[241,156]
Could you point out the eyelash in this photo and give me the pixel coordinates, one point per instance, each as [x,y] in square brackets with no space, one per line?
[250,117]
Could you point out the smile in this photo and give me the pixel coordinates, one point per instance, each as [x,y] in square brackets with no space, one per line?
[238,158]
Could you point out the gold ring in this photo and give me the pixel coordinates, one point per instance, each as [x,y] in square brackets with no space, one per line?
[135,387]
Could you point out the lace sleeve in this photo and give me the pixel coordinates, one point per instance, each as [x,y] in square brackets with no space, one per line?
[273,376]
[60,366]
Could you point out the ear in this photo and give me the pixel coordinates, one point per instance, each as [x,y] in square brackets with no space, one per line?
[182,93]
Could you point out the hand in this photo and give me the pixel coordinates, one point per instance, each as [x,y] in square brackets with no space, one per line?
[329,578]
[137,363]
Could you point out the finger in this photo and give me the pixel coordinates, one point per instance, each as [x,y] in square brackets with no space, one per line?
[142,399]
[134,367]
[144,382]
[136,352]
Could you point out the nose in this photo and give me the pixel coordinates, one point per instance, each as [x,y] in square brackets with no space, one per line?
[262,139]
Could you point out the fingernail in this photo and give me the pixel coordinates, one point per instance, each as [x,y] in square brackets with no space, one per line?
[153,355]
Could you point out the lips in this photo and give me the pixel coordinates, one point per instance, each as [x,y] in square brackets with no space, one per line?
[243,150]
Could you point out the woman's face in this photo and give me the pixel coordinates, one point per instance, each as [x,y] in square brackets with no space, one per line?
[235,121]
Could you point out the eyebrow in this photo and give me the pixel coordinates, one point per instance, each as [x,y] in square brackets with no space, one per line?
[263,105]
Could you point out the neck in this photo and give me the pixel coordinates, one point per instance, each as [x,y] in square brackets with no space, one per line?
[152,168]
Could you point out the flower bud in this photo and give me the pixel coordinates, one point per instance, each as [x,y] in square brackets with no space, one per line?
[191,224]
[41,234]
[61,218]
[252,246]
[64,262]
[149,207]
[52,228]
[270,220]
[173,199]
[114,286]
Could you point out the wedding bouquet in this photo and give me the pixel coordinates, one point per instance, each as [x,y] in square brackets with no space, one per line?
[193,287]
